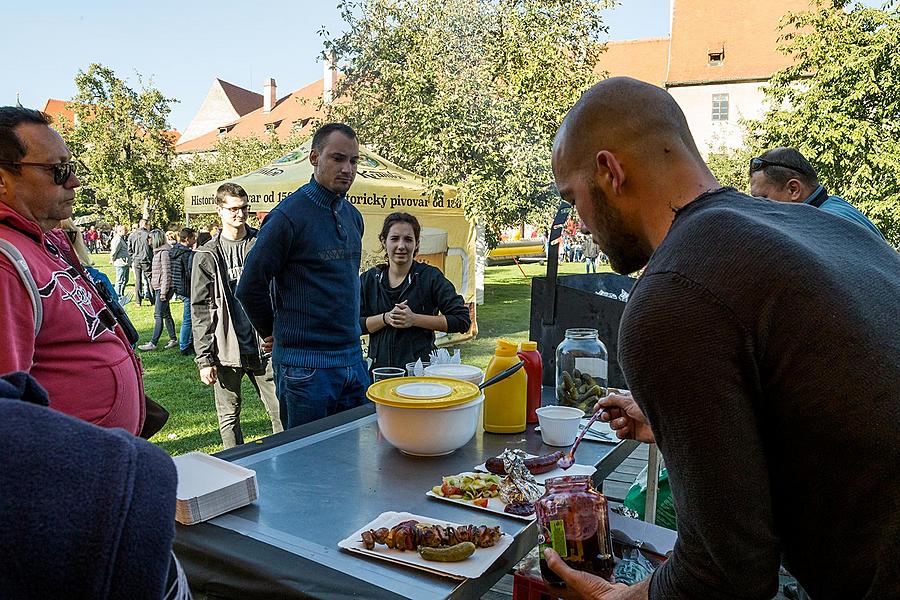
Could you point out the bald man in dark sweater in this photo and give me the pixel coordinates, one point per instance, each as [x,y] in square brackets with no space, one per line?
[761,348]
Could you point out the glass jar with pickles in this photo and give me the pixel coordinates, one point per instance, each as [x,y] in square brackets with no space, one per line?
[581,369]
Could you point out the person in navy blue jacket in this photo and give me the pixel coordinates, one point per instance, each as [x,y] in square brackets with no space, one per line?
[86,512]
[300,286]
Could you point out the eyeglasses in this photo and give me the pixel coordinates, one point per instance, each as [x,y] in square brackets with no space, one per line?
[758,164]
[236,210]
[61,171]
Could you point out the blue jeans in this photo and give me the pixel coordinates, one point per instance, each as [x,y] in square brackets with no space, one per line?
[590,265]
[122,279]
[306,394]
[186,335]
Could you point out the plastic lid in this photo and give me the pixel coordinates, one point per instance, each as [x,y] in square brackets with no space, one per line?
[464,372]
[529,346]
[422,392]
[505,348]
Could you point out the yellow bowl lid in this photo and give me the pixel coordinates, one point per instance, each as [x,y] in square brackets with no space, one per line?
[422,392]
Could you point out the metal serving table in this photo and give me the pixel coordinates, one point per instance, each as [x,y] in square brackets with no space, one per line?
[320,482]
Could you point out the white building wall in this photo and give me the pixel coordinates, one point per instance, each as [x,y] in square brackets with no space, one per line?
[745,101]
[215,111]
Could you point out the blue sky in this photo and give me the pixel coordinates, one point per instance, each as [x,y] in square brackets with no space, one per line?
[182,46]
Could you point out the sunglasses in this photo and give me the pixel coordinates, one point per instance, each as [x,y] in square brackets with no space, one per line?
[61,171]
[758,164]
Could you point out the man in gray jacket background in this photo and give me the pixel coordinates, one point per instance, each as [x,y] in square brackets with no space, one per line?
[141,259]
[119,257]
[227,345]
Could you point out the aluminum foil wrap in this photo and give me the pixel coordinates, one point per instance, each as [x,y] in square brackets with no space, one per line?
[519,484]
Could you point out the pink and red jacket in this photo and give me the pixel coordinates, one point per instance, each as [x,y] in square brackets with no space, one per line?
[80,356]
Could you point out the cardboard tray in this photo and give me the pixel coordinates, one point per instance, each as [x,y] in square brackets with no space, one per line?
[209,486]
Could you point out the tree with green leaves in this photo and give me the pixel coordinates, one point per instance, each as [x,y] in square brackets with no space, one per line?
[839,104]
[731,166]
[233,156]
[123,137]
[468,92]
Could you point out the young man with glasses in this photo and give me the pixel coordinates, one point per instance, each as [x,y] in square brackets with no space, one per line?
[227,345]
[784,175]
[53,323]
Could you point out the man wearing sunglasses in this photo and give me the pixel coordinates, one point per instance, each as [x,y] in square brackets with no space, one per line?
[784,175]
[53,323]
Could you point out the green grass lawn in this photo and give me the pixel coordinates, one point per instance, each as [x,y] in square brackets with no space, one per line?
[172,379]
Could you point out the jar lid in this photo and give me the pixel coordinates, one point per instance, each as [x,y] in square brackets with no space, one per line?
[464,372]
[422,392]
[582,332]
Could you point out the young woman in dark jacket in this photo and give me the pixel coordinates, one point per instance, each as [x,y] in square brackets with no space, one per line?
[404,302]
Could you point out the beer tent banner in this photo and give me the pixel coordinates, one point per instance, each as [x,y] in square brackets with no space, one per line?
[447,240]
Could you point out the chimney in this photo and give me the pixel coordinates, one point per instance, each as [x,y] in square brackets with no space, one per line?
[268,95]
[329,78]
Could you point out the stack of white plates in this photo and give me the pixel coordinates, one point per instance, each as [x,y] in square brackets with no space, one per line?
[209,486]
[464,372]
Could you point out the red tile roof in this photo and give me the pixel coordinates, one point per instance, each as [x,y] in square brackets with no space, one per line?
[56,109]
[642,59]
[298,107]
[747,32]
[243,100]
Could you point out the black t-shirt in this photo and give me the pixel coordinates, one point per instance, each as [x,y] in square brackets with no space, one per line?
[761,342]
[235,251]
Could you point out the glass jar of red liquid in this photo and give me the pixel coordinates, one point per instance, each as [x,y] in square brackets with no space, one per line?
[573,519]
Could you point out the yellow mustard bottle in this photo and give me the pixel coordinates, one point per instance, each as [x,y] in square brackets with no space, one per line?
[505,401]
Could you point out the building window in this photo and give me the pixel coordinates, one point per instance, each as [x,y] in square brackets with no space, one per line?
[720,107]
[716,58]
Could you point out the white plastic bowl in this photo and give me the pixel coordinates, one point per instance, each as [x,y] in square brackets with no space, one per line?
[432,431]
[559,424]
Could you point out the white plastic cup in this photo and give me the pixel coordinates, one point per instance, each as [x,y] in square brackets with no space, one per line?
[411,368]
[559,424]
[382,373]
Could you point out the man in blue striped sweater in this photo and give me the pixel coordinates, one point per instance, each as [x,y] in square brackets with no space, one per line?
[300,286]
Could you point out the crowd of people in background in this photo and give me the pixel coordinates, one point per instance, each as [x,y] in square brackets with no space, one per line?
[578,246]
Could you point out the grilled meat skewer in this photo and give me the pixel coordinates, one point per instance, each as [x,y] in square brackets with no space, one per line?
[409,535]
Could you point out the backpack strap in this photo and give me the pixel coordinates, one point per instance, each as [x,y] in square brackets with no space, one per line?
[18,262]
